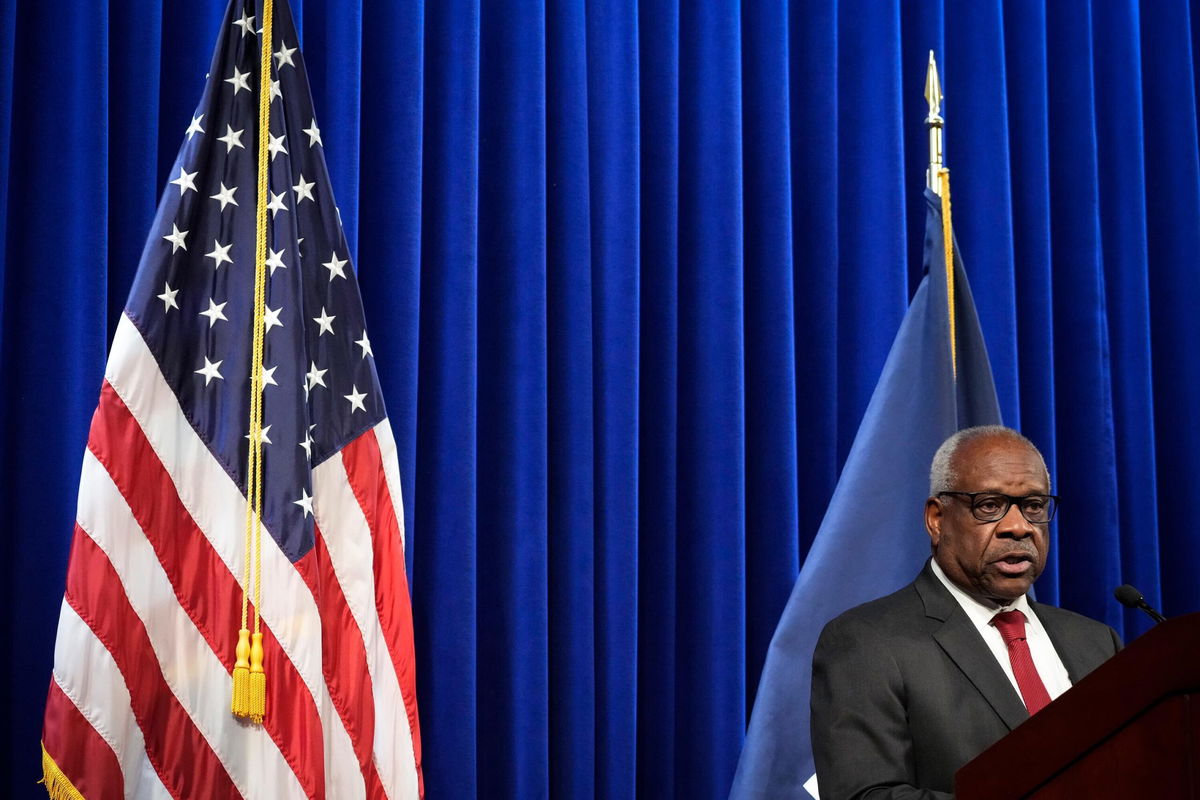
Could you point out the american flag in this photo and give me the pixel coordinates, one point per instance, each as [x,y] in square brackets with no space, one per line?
[139,701]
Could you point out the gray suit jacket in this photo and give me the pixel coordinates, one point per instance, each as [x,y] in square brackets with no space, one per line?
[905,691]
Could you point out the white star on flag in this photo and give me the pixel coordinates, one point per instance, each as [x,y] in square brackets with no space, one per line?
[239,80]
[194,128]
[275,145]
[246,23]
[215,312]
[283,56]
[315,376]
[325,321]
[209,371]
[264,439]
[303,190]
[276,205]
[225,196]
[356,399]
[365,344]
[314,134]
[168,298]
[271,318]
[186,181]
[275,260]
[219,254]
[305,502]
[177,238]
[335,266]
[232,138]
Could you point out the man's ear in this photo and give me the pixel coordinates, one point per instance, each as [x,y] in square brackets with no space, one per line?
[933,521]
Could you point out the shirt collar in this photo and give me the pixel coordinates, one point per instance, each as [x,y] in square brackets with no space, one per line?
[980,613]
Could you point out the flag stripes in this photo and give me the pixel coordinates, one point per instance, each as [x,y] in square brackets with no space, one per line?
[102,778]
[159,517]
[90,678]
[181,755]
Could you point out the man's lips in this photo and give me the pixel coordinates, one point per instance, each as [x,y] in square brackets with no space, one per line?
[1014,564]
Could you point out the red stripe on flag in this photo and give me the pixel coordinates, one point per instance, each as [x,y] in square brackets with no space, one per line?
[180,754]
[344,662]
[80,753]
[364,467]
[203,585]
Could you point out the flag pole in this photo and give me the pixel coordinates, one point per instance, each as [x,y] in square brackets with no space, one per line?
[937,178]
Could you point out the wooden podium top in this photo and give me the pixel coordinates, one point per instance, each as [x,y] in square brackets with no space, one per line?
[1164,661]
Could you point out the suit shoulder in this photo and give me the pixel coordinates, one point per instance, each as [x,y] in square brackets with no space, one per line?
[881,614]
[1077,624]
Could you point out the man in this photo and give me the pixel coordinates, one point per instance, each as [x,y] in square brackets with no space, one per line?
[908,688]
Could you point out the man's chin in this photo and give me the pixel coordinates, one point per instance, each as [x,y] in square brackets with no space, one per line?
[1006,588]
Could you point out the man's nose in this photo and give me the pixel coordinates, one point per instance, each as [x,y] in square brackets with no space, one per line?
[1014,524]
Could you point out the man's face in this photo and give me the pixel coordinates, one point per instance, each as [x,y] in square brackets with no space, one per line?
[992,561]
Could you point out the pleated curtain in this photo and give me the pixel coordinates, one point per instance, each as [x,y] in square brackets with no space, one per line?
[631,271]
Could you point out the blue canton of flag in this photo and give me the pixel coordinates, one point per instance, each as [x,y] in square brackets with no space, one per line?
[139,700]
[193,296]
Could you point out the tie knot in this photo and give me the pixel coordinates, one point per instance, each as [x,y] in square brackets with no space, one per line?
[1011,625]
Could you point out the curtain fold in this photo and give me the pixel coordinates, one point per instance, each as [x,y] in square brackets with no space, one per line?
[631,272]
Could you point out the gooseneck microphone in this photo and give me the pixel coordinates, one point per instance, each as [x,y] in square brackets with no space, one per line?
[1132,598]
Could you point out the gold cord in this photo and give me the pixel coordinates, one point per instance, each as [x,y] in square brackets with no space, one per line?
[249,679]
[948,245]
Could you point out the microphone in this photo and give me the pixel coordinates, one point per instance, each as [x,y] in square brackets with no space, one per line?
[1132,598]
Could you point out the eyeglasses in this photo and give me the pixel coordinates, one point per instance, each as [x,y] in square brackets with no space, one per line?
[992,506]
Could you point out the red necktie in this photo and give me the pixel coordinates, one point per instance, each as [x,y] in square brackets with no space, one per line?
[1011,625]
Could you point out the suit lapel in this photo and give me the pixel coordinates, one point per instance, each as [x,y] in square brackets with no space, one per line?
[960,640]
[1062,637]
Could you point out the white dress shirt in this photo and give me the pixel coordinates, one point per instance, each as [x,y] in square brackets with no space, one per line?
[1049,666]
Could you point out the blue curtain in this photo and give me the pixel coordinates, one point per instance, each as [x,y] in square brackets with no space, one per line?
[632,270]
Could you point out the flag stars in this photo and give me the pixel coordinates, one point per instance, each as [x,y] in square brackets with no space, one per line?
[209,371]
[194,128]
[314,134]
[246,23]
[215,312]
[186,181]
[232,138]
[305,502]
[365,344]
[356,399]
[316,376]
[336,267]
[265,439]
[308,440]
[275,90]
[225,196]
[271,319]
[326,323]
[177,238]
[239,81]
[275,145]
[276,205]
[303,190]
[219,254]
[275,261]
[168,297]
[268,376]
[283,56]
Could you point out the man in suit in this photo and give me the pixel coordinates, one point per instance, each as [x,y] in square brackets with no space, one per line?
[908,688]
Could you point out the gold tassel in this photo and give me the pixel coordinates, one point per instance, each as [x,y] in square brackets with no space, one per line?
[258,682]
[241,676]
[58,785]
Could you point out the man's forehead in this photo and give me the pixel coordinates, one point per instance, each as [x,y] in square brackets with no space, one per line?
[997,460]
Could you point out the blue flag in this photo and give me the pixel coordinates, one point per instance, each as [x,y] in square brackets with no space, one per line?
[872,540]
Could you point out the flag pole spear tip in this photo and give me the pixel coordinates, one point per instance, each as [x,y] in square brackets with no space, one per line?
[933,95]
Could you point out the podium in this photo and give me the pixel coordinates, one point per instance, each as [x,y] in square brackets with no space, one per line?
[1130,729]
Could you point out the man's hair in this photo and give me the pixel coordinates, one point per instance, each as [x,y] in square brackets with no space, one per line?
[943,477]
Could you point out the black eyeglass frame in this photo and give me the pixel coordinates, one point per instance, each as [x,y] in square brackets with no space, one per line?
[1010,502]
